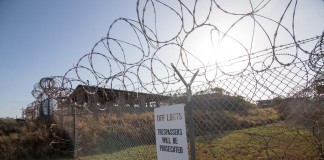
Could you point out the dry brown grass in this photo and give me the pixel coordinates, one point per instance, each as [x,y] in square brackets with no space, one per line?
[25,140]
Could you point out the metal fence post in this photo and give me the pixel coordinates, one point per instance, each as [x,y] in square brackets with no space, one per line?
[62,113]
[49,116]
[75,132]
[189,105]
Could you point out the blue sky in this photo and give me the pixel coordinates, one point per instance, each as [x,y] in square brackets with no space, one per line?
[45,38]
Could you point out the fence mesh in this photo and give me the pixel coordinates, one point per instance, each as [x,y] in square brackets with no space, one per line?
[276,114]
[257,103]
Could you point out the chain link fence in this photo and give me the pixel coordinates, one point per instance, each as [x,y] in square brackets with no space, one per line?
[264,101]
[276,114]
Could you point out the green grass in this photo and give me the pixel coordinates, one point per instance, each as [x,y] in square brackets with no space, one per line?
[140,152]
[266,142]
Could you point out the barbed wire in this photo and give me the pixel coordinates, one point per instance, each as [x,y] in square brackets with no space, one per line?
[124,72]
[137,61]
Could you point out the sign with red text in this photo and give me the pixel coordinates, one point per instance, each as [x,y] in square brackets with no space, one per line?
[170,132]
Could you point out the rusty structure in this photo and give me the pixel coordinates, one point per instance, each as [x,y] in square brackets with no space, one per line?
[93,98]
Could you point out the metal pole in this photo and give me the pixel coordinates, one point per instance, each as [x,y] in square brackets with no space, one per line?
[48,112]
[189,106]
[75,133]
[61,111]
[40,109]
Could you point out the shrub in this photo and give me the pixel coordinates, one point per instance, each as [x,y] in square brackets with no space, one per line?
[25,140]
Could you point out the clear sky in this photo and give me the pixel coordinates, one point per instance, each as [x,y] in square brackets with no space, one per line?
[45,38]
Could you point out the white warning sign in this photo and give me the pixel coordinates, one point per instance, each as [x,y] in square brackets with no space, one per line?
[170,132]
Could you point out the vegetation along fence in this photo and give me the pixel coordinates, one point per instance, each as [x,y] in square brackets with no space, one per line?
[257,95]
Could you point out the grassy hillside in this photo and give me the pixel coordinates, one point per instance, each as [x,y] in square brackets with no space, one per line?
[267,142]
[110,133]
